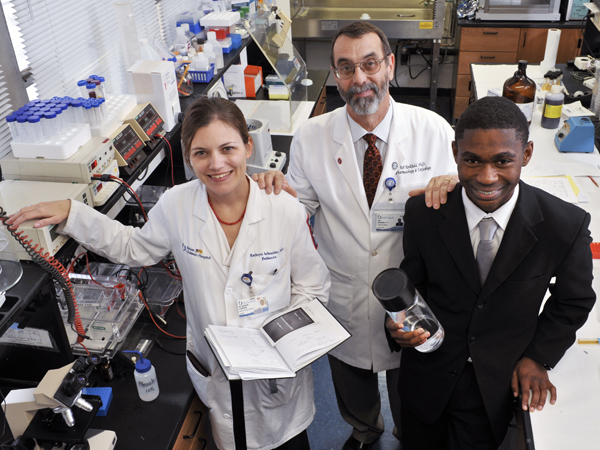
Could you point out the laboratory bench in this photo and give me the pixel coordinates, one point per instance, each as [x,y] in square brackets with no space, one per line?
[152,426]
[506,42]
[574,421]
[176,419]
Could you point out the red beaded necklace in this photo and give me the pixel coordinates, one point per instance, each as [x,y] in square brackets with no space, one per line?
[223,222]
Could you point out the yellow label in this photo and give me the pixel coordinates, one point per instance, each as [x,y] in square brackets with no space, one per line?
[426,25]
[553,111]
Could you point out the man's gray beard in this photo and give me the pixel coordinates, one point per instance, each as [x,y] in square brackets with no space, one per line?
[364,106]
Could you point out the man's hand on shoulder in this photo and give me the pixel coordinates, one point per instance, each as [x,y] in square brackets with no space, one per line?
[436,191]
[532,376]
[406,339]
[273,180]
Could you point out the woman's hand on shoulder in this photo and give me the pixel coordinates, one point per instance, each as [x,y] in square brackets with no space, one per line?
[49,212]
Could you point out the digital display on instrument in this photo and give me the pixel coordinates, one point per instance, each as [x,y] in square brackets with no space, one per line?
[149,120]
[127,142]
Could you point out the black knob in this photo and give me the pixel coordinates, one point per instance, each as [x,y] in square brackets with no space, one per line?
[272,165]
[561,135]
[277,153]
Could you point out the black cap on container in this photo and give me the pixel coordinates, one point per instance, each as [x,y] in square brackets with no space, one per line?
[522,64]
[394,290]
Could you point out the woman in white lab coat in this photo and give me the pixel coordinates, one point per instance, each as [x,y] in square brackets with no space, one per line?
[220,229]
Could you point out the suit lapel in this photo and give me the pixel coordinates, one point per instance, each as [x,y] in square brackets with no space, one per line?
[345,158]
[455,235]
[518,239]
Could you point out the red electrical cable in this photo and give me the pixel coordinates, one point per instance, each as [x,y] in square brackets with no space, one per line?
[58,267]
[171,154]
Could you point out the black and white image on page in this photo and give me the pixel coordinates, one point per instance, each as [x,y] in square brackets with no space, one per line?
[288,322]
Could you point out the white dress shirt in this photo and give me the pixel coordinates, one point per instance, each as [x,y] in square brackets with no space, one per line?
[382,131]
[501,216]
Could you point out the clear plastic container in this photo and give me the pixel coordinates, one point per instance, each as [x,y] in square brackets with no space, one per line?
[101,88]
[161,289]
[404,304]
[77,111]
[181,42]
[91,90]
[10,266]
[22,129]
[201,62]
[103,109]
[12,125]
[98,114]
[50,126]
[88,113]
[61,123]
[35,129]
[216,49]
[147,52]
[66,112]
[208,51]
[108,311]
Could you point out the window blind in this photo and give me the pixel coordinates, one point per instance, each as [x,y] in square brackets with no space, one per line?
[5,110]
[67,40]
[169,9]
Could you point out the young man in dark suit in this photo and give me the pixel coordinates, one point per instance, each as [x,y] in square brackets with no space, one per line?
[483,262]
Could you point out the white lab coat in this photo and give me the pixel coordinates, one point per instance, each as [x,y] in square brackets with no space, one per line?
[324,171]
[274,235]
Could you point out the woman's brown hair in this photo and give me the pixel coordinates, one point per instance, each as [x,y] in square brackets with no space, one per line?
[205,111]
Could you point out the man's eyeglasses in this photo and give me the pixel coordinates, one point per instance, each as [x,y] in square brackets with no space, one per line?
[369,66]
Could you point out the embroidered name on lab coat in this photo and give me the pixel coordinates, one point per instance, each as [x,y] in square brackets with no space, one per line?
[264,256]
[413,168]
[194,252]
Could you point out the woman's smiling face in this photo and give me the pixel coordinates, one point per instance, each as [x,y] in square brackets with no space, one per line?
[218,156]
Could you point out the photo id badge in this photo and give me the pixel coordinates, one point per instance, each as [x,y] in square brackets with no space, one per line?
[388,217]
[252,305]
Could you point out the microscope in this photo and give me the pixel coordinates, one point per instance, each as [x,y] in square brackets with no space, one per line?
[45,417]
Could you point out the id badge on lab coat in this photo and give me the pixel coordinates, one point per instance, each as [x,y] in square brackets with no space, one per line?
[388,213]
[388,217]
[252,305]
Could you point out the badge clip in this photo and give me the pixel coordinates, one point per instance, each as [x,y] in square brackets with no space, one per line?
[247,280]
[390,183]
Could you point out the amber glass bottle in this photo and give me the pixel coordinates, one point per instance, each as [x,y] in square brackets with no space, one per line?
[521,90]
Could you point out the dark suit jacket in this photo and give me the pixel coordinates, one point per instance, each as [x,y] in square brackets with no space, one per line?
[500,322]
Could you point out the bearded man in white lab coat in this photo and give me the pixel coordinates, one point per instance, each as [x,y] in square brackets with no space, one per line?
[356,191]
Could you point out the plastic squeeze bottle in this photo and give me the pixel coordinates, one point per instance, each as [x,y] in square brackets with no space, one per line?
[145,378]
[552,109]
[216,48]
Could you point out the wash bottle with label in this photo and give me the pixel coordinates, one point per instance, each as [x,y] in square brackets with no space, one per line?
[145,378]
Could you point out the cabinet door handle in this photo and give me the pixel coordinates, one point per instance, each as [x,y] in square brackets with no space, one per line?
[490,32]
[524,38]
[470,83]
[191,436]
[487,57]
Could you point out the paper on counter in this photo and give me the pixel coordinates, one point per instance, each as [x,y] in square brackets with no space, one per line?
[560,187]
[546,168]
[576,109]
